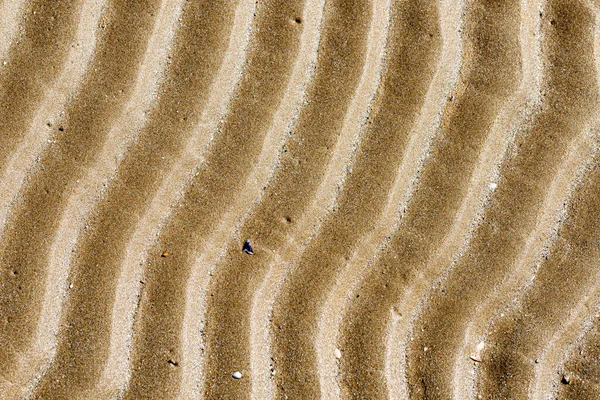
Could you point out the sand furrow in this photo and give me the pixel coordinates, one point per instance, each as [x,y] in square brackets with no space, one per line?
[47,30]
[77,136]
[581,366]
[418,181]
[552,213]
[364,193]
[322,203]
[568,95]
[39,133]
[516,339]
[301,169]
[155,368]
[101,245]
[516,113]
[405,180]
[566,342]
[215,247]
[90,188]
[466,121]
[128,285]
[37,138]
[11,13]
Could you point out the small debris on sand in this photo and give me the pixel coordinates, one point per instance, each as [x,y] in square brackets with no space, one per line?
[337,353]
[476,355]
[247,248]
[237,375]
[493,185]
[566,379]
[164,254]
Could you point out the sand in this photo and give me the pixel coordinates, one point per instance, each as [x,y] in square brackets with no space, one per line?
[418,181]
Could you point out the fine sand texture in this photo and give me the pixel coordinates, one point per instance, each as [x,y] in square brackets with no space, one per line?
[299,199]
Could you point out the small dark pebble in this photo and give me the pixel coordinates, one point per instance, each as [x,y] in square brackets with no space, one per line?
[565,380]
[247,248]
[174,363]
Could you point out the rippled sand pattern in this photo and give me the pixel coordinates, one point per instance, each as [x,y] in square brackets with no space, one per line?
[299,199]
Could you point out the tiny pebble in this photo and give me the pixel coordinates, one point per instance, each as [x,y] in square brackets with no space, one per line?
[247,248]
[425,349]
[164,254]
[71,286]
[237,375]
[565,380]
[337,353]
[493,185]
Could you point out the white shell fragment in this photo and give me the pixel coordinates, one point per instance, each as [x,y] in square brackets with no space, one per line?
[476,356]
[237,375]
[337,353]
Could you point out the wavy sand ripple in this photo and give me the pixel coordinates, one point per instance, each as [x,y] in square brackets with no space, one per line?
[419,181]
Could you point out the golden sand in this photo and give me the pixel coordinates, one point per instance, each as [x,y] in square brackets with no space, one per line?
[355,199]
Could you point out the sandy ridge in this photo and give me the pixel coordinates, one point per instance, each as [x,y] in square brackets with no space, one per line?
[360,171]
[169,291]
[39,135]
[92,187]
[105,96]
[281,186]
[537,313]
[27,235]
[579,361]
[517,114]
[416,235]
[417,179]
[129,283]
[550,338]
[490,254]
[562,191]
[564,337]
[483,182]
[10,14]
[322,204]
[114,220]
[47,31]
